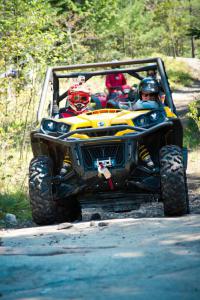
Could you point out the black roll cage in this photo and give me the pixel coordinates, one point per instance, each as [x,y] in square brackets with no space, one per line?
[53,76]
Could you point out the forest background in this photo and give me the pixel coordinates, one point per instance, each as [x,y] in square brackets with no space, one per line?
[37,33]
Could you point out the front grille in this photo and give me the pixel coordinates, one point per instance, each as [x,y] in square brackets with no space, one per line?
[115,152]
[107,132]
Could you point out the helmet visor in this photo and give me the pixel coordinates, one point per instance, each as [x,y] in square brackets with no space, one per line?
[80,99]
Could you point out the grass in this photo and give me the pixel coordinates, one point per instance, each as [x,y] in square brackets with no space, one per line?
[191,135]
[179,78]
[14,183]
[16,203]
[178,72]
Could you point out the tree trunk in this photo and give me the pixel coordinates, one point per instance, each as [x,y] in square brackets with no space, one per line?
[192,47]
[192,37]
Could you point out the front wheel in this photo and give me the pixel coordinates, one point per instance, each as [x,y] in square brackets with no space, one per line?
[40,191]
[173,181]
[47,210]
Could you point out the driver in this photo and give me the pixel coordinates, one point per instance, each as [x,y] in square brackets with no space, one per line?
[78,100]
[149,95]
[149,99]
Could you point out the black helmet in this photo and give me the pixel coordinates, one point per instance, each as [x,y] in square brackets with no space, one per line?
[149,85]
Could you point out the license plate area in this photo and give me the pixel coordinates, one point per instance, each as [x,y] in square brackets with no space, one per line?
[105,162]
[111,155]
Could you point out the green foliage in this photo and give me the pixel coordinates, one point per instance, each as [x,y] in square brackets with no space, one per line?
[193,18]
[192,131]
[194,112]
[179,78]
[16,203]
[36,32]
[178,72]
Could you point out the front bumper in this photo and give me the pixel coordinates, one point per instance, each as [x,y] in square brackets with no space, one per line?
[67,139]
[122,150]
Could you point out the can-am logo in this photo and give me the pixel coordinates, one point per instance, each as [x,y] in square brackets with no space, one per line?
[100,124]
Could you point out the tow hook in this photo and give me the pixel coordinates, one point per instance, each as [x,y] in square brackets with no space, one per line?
[102,170]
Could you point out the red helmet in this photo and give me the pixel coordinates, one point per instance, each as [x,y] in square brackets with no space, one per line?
[78,98]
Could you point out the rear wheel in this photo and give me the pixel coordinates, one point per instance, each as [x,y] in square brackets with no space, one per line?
[173,181]
[45,210]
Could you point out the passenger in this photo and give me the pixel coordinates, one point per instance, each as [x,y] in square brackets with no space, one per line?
[152,74]
[149,89]
[78,100]
[115,81]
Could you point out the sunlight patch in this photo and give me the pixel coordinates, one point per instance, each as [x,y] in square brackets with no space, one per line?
[129,254]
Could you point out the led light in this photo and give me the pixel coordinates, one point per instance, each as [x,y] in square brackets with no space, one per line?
[154,116]
[157,116]
[49,125]
[142,121]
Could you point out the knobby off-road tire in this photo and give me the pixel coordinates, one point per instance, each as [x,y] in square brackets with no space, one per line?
[45,209]
[173,181]
[40,191]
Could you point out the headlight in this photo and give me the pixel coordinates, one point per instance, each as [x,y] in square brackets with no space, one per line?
[48,125]
[62,128]
[157,116]
[150,119]
[141,121]
[54,127]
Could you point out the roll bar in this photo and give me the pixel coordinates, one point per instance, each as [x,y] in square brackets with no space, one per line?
[52,77]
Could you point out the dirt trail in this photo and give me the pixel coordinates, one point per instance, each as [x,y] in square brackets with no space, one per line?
[182,98]
[155,258]
[139,254]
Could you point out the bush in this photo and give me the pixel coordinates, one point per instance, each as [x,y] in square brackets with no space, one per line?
[194,112]
[192,131]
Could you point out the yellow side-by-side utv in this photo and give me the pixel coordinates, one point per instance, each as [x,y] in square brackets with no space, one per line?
[106,150]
